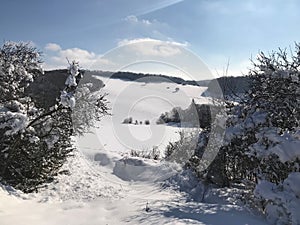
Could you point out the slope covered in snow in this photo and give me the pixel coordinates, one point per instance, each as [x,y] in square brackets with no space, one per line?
[105,185]
[142,101]
[93,194]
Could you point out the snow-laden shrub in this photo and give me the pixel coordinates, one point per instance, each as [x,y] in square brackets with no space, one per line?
[20,64]
[34,141]
[35,138]
[261,140]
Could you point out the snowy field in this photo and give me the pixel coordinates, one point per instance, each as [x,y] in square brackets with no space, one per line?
[107,186]
[142,101]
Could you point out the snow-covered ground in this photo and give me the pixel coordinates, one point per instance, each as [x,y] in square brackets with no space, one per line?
[108,186]
[97,194]
[106,192]
[142,101]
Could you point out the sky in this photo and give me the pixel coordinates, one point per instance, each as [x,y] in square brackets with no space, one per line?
[160,36]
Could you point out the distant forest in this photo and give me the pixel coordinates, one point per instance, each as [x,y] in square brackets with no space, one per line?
[147,78]
[219,87]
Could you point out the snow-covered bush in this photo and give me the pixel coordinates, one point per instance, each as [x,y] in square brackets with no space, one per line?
[269,119]
[261,140]
[20,64]
[34,141]
[35,138]
[262,135]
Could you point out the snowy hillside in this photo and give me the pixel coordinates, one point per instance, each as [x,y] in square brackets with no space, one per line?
[142,102]
[108,186]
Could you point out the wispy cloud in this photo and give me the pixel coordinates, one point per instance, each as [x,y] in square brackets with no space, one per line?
[134,20]
[153,28]
[158,6]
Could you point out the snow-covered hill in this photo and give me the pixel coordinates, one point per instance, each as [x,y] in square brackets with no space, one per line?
[108,186]
[142,101]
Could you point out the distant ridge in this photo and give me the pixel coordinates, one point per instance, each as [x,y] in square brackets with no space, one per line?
[46,89]
[147,78]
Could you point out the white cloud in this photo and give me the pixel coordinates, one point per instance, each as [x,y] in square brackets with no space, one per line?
[57,57]
[147,54]
[126,53]
[141,40]
[153,47]
[52,47]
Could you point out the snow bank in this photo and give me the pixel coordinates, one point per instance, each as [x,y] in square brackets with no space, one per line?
[136,169]
[8,191]
[281,202]
[83,182]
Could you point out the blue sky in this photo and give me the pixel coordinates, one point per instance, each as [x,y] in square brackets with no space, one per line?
[214,30]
